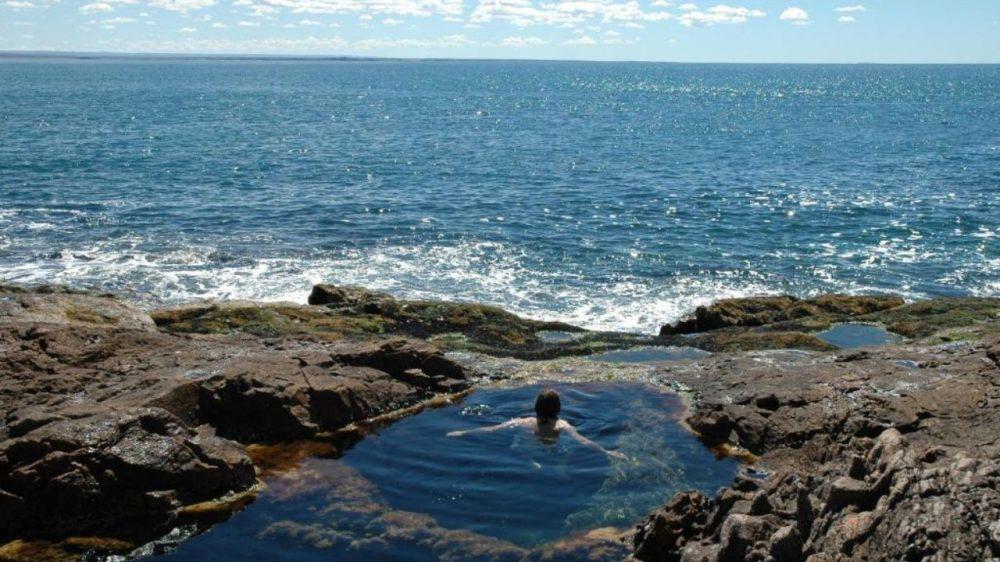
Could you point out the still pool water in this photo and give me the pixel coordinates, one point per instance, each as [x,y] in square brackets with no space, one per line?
[409,492]
[849,336]
[650,354]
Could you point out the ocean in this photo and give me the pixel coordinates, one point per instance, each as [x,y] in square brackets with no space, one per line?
[609,195]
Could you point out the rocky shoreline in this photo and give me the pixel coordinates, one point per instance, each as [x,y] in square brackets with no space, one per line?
[115,422]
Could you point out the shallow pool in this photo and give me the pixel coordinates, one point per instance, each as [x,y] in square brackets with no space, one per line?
[848,336]
[650,354]
[409,492]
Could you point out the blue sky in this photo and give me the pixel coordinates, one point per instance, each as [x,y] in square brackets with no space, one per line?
[656,30]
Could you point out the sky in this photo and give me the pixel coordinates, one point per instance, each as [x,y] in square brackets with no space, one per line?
[849,31]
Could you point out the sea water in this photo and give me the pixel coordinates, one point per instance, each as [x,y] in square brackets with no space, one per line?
[411,492]
[611,195]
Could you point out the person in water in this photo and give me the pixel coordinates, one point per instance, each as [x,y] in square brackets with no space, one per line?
[546,424]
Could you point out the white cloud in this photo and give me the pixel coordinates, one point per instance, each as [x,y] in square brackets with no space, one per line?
[188,29]
[565,13]
[582,40]
[17,5]
[689,7]
[118,20]
[181,5]
[795,15]
[366,17]
[310,22]
[260,10]
[392,21]
[247,24]
[519,42]
[376,7]
[857,8]
[847,19]
[248,46]
[219,25]
[96,7]
[721,14]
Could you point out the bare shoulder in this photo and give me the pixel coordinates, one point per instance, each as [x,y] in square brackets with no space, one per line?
[563,424]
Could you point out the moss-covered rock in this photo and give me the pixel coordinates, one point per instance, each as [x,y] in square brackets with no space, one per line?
[761,311]
[746,340]
[925,318]
[729,325]
[268,320]
[354,312]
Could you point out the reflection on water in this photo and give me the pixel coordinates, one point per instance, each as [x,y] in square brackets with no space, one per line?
[411,493]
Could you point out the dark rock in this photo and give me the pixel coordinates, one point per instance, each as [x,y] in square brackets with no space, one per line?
[760,311]
[845,491]
[80,475]
[666,532]
[347,296]
[785,545]
[742,534]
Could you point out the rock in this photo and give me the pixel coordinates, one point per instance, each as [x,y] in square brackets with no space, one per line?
[742,534]
[347,296]
[731,340]
[845,491]
[134,464]
[868,459]
[348,313]
[785,544]
[59,305]
[110,429]
[665,533]
[760,311]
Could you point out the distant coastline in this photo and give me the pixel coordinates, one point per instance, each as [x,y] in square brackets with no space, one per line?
[239,57]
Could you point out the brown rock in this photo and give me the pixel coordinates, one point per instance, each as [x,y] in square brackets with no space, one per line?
[80,475]
[760,311]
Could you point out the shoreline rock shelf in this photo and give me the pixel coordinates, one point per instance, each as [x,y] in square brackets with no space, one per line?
[106,426]
[112,420]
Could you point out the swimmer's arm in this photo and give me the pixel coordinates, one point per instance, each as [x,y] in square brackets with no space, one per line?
[568,428]
[490,429]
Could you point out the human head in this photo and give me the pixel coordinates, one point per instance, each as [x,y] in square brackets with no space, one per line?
[547,405]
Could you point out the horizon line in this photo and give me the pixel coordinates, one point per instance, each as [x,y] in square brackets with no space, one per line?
[92,55]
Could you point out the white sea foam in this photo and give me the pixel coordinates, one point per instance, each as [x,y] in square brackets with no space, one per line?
[470,271]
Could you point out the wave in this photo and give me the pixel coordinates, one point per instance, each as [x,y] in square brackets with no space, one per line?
[475,271]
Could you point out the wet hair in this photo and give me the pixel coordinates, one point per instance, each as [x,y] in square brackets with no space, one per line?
[547,405]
